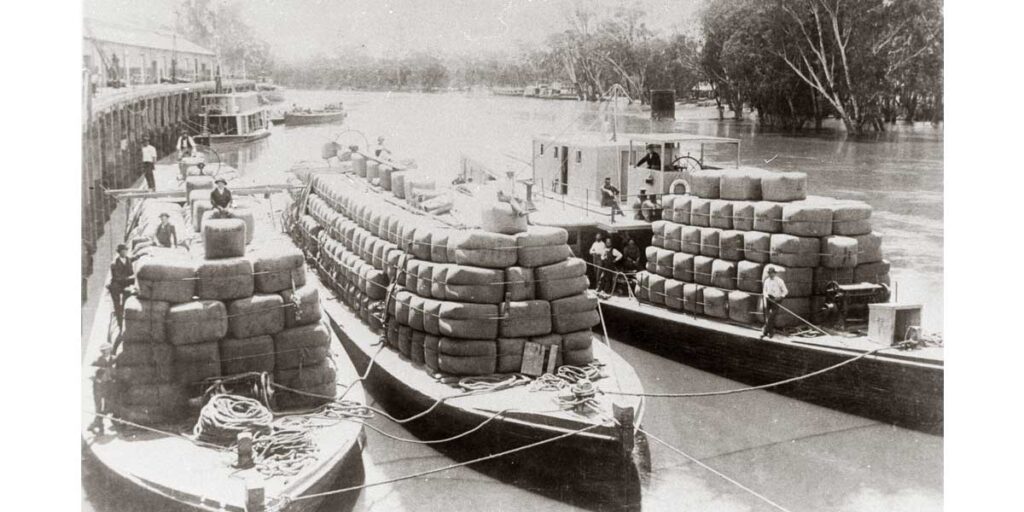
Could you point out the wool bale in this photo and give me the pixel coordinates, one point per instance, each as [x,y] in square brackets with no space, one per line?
[401,302]
[147,354]
[430,345]
[690,240]
[745,307]
[674,294]
[823,276]
[643,286]
[223,238]
[247,215]
[424,278]
[656,289]
[198,183]
[417,311]
[651,256]
[673,237]
[395,265]
[542,236]
[317,385]
[795,251]
[551,340]
[391,333]
[693,298]
[838,252]
[700,212]
[710,241]
[749,276]
[540,256]
[784,186]
[302,307]
[561,279]
[372,170]
[439,246]
[378,260]
[578,348]
[664,263]
[706,184]
[475,285]
[161,397]
[431,316]
[807,218]
[702,269]
[416,346]
[224,279]
[721,214]
[257,315]
[658,233]
[730,245]
[768,217]
[519,283]
[501,218]
[741,184]
[850,218]
[196,322]
[199,209]
[575,313]
[875,273]
[800,306]
[682,267]
[510,354]
[525,318]
[467,347]
[412,271]
[242,355]
[869,248]
[405,340]
[197,362]
[307,345]
[757,246]
[398,184]
[723,274]
[145,374]
[799,281]
[467,365]
[681,209]
[422,243]
[359,165]
[716,302]
[385,176]
[469,321]
[490,258]
[144,321]
[166,279]
[743,215]
[439,280]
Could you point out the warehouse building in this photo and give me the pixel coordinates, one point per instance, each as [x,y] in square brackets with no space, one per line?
[119,55]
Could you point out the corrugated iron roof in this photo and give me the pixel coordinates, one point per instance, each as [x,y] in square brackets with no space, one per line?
[143,37]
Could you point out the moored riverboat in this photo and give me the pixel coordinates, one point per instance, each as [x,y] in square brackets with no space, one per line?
[214,390]
[236,117]
[326,115]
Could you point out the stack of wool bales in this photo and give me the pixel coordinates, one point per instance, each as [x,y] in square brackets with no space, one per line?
[709,253]
[462,302]
[219,316]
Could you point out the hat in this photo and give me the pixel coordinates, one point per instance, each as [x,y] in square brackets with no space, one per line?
[220,180]
[122,247]
[606,178]
[145,137]
[770,269]
[165,214]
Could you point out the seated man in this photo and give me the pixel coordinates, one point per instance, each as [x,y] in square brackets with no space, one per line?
[166,235]
[220,198]
[649,208]
[610,196]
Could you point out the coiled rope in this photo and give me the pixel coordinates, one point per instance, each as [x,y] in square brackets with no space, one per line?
[225,416]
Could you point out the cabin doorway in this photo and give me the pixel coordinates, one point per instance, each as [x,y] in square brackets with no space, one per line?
[564,173]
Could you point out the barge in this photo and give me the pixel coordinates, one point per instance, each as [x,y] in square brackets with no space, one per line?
[327,115]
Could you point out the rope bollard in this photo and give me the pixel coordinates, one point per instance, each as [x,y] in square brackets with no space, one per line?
[244,450]
[255,494]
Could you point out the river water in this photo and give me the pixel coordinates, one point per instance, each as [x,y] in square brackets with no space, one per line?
[800,456]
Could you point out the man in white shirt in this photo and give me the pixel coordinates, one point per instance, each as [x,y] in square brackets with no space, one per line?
[148,162]
[774,290]
[380,151]
[612,259]
[185,147]
[597,251]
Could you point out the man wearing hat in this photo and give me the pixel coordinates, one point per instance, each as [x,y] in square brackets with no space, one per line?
[122,276]
[166,235]
[652,158]
[220,198]
[774,290]
[185,147]
[148,162]
[610,196]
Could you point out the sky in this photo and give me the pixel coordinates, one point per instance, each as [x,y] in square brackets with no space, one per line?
[301,28]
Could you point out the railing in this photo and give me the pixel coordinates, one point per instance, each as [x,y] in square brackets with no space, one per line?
[555,194]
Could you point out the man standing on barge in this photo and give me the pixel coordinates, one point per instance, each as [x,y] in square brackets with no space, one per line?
[220,197]
[148,163]
[774,291]
[122,276]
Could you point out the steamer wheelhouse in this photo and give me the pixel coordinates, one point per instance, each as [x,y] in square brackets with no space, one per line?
[233,117]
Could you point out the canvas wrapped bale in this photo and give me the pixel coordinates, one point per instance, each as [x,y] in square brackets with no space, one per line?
[198,183]
[519,283]
[799,281]
[681,209]
[791,311]
[439,281]
[424,278]
[301,307]
[810,218]
[422,243]
[395,263]
[795,251]
[153,402]
[475,285]
[467,357]
[391,333]
[144,321]
[316,385]
[417,310]
[723,274]
[501,218]
[196,322]
[682,267]
[223,238]
[414,184]
[199,209]
[439,246]
[706,184]
[702,269]
[838,252]
[757,246]
[297,347]
[657,289]
[674,294]
[869,248]
[742,184]
[224,279]
[149,363]
[372,170]
[658,233]
[768,217]
[401,302]
[561,279]
[431,316]
[674,237]
[700,212]
[551,340]
[690,243]
[721,214]
[875,273]
[784,186]
[469,321]
[823,276]
[525,318]
[716,302]
[745,307]
[483,249]
[243,355]
[540,256]
[510,354]
[262,313]
[850,218]
[710,242]
[743,216]
[651,256]
[398,184]
[693,298]
[575,313]
[578,348]
[643,286]
[412,272]
[405,340]
[359,165]
[664,265]
[166,279]
[416,346]
[749,276]
[245,214]
[197,362]
[730,245]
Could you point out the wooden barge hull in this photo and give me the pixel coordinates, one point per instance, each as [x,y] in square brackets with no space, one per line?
[892,389]
[209,140]
[319,118]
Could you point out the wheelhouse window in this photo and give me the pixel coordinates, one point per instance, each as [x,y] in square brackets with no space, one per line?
[579,156]
[542,149]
